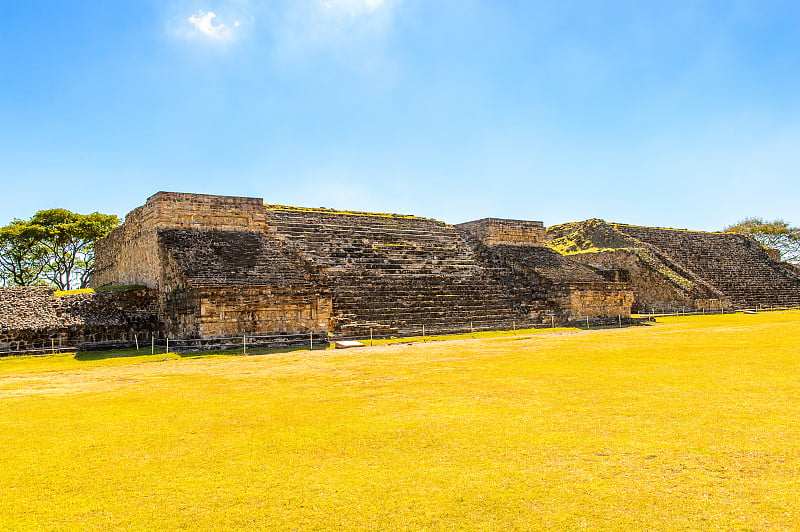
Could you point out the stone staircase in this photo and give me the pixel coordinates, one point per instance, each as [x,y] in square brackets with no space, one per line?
[395,274]
[734,264]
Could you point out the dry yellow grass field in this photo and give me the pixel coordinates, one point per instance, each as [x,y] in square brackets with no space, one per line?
[692,424]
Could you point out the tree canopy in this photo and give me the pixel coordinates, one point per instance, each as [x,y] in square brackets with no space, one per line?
[55,247]
[776,234]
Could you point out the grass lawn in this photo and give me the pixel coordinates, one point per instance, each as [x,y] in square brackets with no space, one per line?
[690,424]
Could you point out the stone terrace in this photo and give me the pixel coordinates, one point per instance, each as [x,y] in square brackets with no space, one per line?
[397,273]
[735,264]
[571,289]
[218,283]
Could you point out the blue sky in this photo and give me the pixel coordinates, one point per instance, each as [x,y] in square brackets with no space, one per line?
[678,114]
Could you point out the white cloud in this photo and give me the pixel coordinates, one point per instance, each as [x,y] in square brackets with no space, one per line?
[203,22]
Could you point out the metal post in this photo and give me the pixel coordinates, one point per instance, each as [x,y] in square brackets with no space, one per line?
[244,344]
[552,322]
[167,345]
[423,333]
[370,336]
[311,340]
[136,339]
[471,329]
[619,318]
[152,344]
[52,346]
[587,323]
[514,326]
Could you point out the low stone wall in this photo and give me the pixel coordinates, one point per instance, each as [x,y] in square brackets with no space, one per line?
[33,318]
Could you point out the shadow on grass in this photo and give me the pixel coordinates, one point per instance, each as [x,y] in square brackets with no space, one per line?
[485,335]
[87,356]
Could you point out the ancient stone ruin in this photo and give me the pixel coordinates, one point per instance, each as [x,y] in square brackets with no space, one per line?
[226,266]
[675,269]
[218,266]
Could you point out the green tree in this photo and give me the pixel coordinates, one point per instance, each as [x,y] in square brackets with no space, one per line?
[776,234]
[55,246]
[22,256]
[69,240]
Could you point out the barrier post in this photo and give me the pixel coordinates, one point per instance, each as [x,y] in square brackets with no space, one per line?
[167,352]
[587,323]
[136,339]
[423,334]
[152,344]
[52,346]
[311,341]
[619,318]
[370,336]
[244,344]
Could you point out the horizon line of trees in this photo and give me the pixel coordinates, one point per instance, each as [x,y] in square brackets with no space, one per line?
[55,247]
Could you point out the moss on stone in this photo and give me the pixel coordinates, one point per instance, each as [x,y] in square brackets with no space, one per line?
[59,293]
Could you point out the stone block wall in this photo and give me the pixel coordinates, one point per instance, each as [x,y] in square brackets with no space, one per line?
[593,300]
[260,311]
[34,318]
[493,231]
[219,283]
[211,312]
[129,254]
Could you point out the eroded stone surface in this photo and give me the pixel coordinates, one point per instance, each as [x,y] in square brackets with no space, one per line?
[32,318]
[674,269]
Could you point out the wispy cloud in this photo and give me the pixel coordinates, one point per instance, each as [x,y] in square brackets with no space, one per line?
[354,7]
[354,31]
